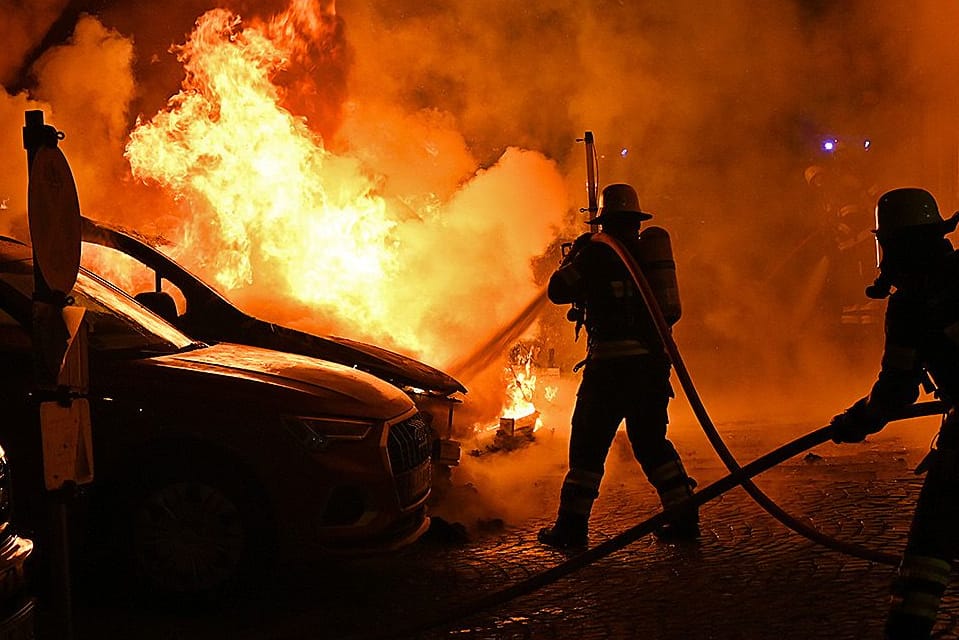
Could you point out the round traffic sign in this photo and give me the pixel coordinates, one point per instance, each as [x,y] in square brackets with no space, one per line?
[53,209]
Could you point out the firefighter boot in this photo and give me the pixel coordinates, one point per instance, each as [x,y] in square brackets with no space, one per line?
[571,528]
[926,565]
[674,486]
[570,531]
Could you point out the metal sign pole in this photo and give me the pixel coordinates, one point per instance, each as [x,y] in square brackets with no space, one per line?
[59,339]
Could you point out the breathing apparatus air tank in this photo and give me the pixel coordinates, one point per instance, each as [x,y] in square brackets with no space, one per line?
[656,261]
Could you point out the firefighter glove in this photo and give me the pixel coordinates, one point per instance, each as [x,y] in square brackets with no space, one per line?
[578,245]
[856,422]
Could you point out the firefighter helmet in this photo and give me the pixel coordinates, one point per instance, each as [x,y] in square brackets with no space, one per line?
[814,175]
[908,224]
[619,202]
[910,208]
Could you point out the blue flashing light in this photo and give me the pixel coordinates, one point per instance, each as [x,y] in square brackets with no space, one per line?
[867,144]
[623,152]
[829,144]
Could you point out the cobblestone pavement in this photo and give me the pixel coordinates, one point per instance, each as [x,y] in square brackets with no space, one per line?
[748,577]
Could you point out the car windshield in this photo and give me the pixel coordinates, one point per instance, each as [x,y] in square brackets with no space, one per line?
[114,321]
[117,254]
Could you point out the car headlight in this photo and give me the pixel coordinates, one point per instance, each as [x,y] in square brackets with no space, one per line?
[316,434]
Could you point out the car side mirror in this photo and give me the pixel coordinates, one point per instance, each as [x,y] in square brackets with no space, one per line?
[160,303]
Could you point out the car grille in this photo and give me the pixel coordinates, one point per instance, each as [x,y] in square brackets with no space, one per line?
[409,448]
[408,444]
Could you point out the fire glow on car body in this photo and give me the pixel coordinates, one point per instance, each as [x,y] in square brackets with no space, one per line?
[210,317]
[264,455]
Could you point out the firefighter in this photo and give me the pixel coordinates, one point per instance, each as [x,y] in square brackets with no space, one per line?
[626,372]
[922,341]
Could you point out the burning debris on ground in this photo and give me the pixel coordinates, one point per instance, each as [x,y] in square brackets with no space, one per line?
[512,434]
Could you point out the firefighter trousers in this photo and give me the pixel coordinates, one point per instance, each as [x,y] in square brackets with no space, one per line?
[635,389]
[932,544]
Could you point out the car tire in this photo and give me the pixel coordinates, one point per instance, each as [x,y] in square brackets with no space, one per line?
[194,528]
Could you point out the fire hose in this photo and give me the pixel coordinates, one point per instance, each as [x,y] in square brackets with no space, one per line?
[738,476]
[699,409]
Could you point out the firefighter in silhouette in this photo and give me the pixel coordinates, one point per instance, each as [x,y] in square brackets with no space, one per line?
[922,340]
[626,373]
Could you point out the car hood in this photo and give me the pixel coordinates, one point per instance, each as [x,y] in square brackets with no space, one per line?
[383,363]
[343,390]
[219,320]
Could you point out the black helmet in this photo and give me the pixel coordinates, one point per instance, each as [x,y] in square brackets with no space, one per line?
[909,233]
[619,202]
[910,208]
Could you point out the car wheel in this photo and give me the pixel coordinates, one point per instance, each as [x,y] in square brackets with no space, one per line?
[188,537]
[195,530]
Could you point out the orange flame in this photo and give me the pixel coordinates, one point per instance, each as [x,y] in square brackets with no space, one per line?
[520,388]
[263,186]
[519,393]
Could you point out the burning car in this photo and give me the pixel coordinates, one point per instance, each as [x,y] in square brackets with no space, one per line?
[213,461]
[206,315]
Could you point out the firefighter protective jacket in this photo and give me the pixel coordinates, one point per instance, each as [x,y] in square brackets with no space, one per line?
[922,333]
[616,318]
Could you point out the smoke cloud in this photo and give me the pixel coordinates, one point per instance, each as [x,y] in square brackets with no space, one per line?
[23,27]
